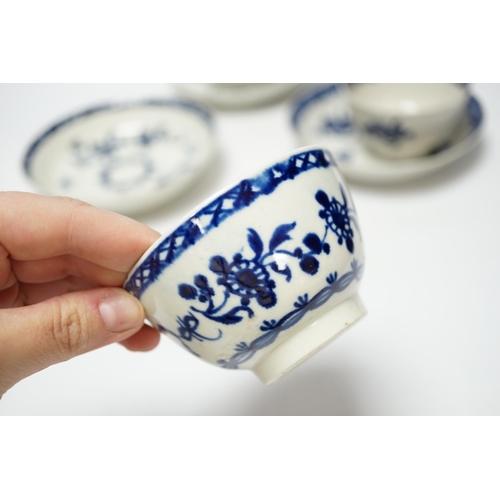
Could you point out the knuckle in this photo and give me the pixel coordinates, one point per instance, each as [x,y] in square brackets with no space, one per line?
[72,202]
[74,222]
[69,329]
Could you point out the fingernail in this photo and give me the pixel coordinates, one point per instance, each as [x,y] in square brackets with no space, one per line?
[121,313]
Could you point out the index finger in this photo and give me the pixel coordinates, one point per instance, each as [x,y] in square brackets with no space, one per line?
[38,227]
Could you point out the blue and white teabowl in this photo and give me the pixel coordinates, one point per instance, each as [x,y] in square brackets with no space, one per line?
[263,275]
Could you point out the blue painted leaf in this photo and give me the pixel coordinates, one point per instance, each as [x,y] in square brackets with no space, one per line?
[255,243]
[202,283]
[231,318]
[331,278]
[268,325]
[322,198]
[313,242]
[280,235]
[219,264]
[286,271]
[350,244]
[241,346]
[187,292]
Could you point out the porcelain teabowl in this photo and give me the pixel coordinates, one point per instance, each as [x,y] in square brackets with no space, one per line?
[127,157]
[406,120]
[263,275]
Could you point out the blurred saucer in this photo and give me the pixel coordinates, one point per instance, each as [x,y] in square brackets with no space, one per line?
[237,95]
[127,157]
[322,116]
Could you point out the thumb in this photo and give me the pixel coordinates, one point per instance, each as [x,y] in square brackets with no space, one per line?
[37,336]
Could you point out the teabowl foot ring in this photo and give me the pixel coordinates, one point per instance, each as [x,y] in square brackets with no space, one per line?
[309,340]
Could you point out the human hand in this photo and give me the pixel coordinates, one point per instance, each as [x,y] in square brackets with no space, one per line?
[62,265]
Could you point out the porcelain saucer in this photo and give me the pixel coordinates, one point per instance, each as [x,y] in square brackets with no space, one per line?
[127,157]
[237,95]
[322,116]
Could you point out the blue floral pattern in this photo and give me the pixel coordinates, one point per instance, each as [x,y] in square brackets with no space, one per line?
[248,279]
[337,125]
[337,217]
[393,133]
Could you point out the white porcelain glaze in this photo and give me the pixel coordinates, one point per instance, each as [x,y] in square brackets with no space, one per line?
[127,157]
[237,95]
[406,120]
[249,278]
[322,115]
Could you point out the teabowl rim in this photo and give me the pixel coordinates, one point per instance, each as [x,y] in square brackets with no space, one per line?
[369,106]
[258,175]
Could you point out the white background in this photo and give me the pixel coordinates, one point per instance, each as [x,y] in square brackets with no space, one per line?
[430,344]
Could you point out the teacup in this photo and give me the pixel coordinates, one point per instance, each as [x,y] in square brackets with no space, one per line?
[263,275]
[406,120]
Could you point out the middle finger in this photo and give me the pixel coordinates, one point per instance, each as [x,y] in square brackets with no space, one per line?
[64,266]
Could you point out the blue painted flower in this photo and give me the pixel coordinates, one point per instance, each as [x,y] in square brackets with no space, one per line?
[341,125]
[248,279]
[337,218]
[390,132]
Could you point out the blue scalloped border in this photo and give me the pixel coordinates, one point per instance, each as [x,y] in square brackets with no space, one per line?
[180,103]
[240,196]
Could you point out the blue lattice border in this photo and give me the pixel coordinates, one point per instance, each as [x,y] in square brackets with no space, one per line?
[240,196]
